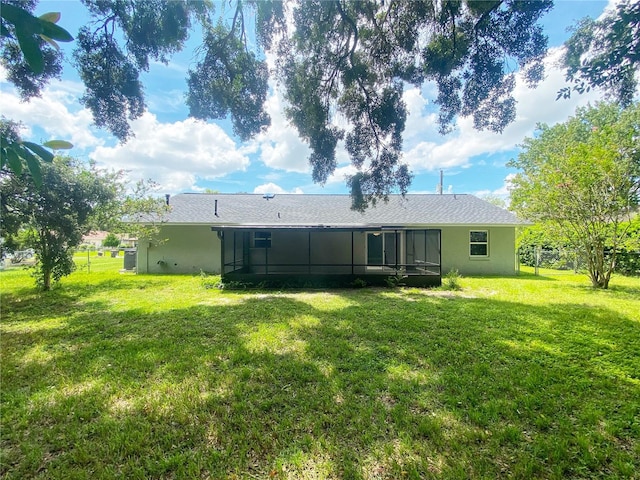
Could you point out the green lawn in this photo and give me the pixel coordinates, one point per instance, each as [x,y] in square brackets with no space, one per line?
[117,375]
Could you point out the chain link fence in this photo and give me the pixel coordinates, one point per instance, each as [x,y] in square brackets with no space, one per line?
[571,261]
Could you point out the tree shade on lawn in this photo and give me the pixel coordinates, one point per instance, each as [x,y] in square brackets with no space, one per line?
[159,376]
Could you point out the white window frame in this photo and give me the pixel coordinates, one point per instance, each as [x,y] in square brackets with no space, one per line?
[472,243]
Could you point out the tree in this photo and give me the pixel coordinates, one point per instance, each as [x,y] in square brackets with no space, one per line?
[111,240]
[494,199]
[58,214]
[605,54]
[32,57]
[140,213]
[342,66]
[582,178]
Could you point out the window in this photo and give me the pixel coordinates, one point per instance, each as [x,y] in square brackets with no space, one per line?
[479,243]
[262,239]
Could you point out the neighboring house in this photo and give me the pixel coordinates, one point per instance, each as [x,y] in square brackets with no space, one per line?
[95,238]
[278,237]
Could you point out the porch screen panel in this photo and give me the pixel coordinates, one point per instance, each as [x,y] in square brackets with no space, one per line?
[233,254]
[289,251]
[390,249]
[433,247]
[423,251]
[330,252]
[374,249]
[418,247]
[433,252]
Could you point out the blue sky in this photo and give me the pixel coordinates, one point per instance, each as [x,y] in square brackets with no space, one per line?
[183,155]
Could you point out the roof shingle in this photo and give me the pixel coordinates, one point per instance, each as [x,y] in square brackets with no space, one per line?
[290,210]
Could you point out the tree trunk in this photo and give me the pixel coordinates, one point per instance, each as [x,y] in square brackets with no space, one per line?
[596,266]
[46,280]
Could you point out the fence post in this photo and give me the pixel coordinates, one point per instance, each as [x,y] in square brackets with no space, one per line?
[536,255]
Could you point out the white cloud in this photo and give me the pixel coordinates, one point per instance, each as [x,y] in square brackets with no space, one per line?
[417,123]
[502,192]
[57,112]
[533,106]
[174,154]
[273,188]
[341,173]
[280,147]
[166,101]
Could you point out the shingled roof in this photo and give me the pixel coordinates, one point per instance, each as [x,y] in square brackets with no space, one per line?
[290,210]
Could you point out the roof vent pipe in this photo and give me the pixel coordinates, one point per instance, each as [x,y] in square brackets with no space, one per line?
[215,207]
[166,198]
[440,185]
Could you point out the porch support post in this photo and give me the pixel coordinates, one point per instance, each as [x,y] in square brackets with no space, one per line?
[309,252]
[266,259]
[352,252]
[234,251]
[440,252]
[396,235]
[425,245]
[220,235]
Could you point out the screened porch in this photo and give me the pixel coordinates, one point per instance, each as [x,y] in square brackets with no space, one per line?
[335,254]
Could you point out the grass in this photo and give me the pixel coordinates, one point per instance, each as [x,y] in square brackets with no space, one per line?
[117,375]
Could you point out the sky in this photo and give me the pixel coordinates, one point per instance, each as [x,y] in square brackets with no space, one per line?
[184,155]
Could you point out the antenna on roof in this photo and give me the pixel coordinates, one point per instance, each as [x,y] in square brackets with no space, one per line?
[268,196]
[440,185]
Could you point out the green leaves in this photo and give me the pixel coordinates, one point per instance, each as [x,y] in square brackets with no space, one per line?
[348,62]
[604,54]
[58,145]
[60,214]
[28,29]
[229,80]
[15,153]
[110,69]
[582,178]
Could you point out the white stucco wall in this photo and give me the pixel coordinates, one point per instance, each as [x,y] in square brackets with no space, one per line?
[186,249]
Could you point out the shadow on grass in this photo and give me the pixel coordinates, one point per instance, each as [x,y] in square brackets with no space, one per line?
[370,385]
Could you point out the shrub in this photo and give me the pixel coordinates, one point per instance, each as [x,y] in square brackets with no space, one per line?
[111,240]
[451,280]
[358,283]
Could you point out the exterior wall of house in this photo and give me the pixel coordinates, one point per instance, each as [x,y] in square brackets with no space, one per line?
[187,249]
[190,248]
[500,259]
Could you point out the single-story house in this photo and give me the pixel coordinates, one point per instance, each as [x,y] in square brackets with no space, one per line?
[254,238]
[95,238]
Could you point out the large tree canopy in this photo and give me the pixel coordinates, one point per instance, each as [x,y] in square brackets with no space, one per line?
[582,179]
[342,65]
[605,54]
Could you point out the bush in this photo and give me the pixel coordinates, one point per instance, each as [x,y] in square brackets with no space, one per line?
[451,280]
[393,281]
[111,240]
[628,263]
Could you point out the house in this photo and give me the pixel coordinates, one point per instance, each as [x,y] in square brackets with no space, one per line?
[96,239]
[256,238]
